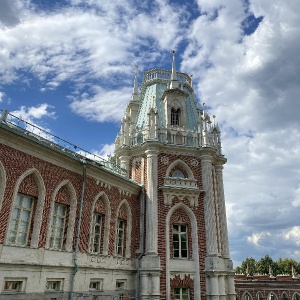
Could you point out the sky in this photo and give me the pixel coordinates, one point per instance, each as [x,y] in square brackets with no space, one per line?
[68,67]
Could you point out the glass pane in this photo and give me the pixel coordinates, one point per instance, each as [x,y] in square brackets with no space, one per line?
[184,253]
[27,202]
[175,237]
[16,213]
[25,215]
[18,200]
[21,239]
[176,253]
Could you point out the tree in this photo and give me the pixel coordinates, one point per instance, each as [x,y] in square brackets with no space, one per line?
[248,266]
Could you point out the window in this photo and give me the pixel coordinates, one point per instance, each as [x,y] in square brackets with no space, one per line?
[21,220]
[58,226]
[96,233]
[247,296]
[175,116]
[120,284]
[180,241]
[178,174]
[96,285]
[54,285]
[181,294]
[272,297]
[284,296]
[296,296]
[14,285]
[120,237]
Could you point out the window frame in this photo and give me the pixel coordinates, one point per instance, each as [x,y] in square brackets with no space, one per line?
[180,233]
[175,116]
[60,282]
[21,289]
[99,282]
[180,294]
[122,239]
[54,231]
[93,234]
[29,221]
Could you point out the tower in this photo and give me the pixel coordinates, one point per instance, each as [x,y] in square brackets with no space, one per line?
[169,144]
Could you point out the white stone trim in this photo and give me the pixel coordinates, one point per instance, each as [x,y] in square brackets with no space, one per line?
[2,183]
[72,214]
[106,228]
[195,249]
[37,221]
[182,164]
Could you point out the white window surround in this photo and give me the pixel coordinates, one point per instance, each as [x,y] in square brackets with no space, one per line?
[121,284]
[96,284]
[195,249]
[72,214]
[128,228]
[106,228]
[37,218]
[14,285]
[54,285]
[246,296]
[2,183]
[180,187]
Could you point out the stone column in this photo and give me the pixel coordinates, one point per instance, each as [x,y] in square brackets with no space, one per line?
[151,202]
[209,208]
[155,286]
[124,163]
[144,286]
[214,283]
[231,287]
[222,291]
[222,212]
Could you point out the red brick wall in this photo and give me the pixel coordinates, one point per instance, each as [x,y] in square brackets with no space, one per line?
[16,162]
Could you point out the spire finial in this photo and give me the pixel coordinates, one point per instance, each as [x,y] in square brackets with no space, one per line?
[173,77]
[174,81]
[135,94]
[135,87]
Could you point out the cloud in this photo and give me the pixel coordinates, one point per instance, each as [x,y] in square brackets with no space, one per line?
[103,105]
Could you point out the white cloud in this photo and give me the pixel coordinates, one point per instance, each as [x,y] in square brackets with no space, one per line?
[256,237]
[1,96]
[103,106]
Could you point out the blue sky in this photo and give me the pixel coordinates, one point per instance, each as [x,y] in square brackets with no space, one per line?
[68,67]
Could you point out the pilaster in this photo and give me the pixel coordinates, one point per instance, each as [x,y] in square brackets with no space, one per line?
[222,212]
[151,202]
[209,208]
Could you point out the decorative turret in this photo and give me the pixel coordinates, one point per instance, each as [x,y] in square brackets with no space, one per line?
[178,119]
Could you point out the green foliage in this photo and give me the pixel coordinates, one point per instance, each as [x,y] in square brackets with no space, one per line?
[266,265]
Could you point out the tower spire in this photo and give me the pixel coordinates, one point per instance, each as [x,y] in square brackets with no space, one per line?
[135,85]
[174,81]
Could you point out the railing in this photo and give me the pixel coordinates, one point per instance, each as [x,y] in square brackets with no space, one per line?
[54,141]
[166,75]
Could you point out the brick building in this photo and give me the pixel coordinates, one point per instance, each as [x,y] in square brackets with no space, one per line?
[153,228]
[265,287]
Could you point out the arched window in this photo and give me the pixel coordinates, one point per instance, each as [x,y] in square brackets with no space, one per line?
[272,296]
[247,296]
[296,296]
[259,296]
[284,296]
[177,174]
[175,116]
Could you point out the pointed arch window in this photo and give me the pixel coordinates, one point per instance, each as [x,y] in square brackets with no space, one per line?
[58,226]
[178,174]
[120,237]
[296,296]
[175,116]
[95,245]
[21,220]
[180,241]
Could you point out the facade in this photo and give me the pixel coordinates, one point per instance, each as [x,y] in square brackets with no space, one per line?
[153,228]
[260,287]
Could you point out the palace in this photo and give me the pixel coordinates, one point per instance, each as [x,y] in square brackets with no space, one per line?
[148,224]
